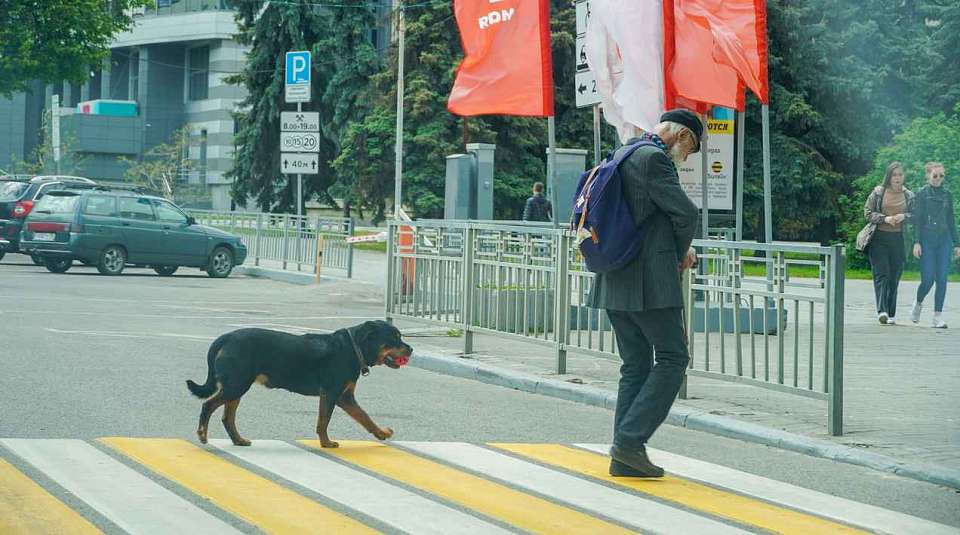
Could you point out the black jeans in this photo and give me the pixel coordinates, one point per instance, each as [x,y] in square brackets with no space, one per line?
[647,388]
[886,261]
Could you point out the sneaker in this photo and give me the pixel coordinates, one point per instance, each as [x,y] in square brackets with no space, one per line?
[915,312]
[891,320]
[883,318]
[938,322]
[636,461]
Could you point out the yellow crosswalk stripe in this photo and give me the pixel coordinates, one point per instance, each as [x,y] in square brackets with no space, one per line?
[516,508]
[693,495]
[255,499]
[27,509]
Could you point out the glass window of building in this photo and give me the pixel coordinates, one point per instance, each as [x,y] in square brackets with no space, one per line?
[199,72]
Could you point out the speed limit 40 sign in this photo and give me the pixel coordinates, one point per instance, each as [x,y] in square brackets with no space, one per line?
[299,142]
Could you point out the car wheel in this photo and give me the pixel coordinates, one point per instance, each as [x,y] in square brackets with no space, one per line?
[112,260]
[57,265]
[37,259]
[165,271]
[221,263]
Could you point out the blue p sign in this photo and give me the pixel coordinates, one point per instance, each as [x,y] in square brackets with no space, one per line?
[298,67]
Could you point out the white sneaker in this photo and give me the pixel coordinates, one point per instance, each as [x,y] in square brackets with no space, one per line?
[915,312]
[891,320]
[883,318]
[938,322]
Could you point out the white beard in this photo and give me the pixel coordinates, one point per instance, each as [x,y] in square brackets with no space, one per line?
[676,154]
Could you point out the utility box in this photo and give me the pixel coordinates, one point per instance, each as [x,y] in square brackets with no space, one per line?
[570,165]
[458,194]
[483,154]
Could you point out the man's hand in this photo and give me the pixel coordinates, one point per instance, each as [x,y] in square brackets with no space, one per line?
[917,251]
[956,252]
[689,260]
[899,218]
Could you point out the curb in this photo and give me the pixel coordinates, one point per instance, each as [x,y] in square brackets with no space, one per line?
[684,416]
[292,277]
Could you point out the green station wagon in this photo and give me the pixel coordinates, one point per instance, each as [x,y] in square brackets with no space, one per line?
[112,229]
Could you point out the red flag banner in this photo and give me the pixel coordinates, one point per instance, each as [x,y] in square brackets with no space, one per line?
[718,47]
[507,68]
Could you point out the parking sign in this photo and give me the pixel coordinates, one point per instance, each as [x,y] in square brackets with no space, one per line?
[297,87]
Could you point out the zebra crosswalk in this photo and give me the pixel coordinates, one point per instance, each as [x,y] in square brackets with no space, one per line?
[172,486]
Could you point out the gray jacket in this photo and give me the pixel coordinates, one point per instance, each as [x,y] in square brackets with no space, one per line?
[652,280]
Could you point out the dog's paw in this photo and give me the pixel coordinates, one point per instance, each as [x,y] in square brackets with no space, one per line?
[202,435]
[383,434]
[329,444]
[241,442]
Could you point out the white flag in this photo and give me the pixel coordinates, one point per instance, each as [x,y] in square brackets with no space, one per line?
[624,46]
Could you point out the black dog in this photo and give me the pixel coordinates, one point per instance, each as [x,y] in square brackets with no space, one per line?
[324,365]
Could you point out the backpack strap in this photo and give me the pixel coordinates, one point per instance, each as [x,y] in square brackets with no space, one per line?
[588,185]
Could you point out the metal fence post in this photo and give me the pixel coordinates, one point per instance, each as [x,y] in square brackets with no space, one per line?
[468,289]
[560,302]
[256,240]
[350,226]
[286,224]
[835,401]
[391,272]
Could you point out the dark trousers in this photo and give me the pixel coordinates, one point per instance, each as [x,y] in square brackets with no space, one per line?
[654,354]
[886,262]
[935,253]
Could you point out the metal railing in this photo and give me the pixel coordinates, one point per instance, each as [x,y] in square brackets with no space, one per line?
[288,239]
[528,282]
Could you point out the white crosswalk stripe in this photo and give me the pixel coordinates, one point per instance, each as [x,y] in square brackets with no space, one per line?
[390,504]
[125,497]
[866,516]
[632,510]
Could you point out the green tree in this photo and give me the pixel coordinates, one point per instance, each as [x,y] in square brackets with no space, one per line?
[164,169]
[54,40]
[40,161]
[271,29]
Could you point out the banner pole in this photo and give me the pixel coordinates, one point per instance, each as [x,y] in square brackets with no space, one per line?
[704,201]
[398,147]
[741,142]
[596,134]
[552,166]
[767,193]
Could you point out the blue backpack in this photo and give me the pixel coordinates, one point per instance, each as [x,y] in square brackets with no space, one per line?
[608,239]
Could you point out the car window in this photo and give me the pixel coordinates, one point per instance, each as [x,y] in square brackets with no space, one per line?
[136,208]
[169,213]
[47,188]
[103,205]
[11,191]
[56,204]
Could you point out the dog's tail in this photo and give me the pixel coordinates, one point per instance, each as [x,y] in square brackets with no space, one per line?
[209,387]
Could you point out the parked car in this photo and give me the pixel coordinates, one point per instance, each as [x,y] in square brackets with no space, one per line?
[18,195]
[112,229]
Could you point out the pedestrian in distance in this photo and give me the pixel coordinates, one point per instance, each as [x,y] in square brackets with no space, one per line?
[936,242]
[538,208]
[644,299]
[889,206]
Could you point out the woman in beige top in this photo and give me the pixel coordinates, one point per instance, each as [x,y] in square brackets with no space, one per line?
[888,207]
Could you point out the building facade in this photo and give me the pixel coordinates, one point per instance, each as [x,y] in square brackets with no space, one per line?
[166,73]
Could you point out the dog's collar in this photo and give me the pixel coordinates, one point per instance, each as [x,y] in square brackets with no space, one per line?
[364,369]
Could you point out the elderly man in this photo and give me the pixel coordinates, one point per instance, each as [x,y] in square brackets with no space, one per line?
[644,299]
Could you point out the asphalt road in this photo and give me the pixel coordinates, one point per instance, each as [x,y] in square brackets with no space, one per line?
[86,356]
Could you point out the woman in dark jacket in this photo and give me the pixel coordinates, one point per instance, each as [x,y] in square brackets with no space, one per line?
[935,229]
[888,207]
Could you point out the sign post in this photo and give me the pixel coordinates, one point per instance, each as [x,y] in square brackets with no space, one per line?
[297,89]
[585,83]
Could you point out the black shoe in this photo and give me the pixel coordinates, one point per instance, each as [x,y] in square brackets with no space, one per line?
[632,463]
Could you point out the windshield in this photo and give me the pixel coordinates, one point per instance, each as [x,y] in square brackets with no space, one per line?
[56,204]
[11,191]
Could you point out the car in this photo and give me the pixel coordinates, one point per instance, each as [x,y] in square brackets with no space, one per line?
[114,228]
[18,195]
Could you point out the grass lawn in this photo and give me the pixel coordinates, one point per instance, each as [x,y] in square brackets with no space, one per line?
[758,270]
[369,245]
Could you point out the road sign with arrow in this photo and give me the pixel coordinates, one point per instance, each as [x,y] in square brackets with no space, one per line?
[585,84]
[298,163]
